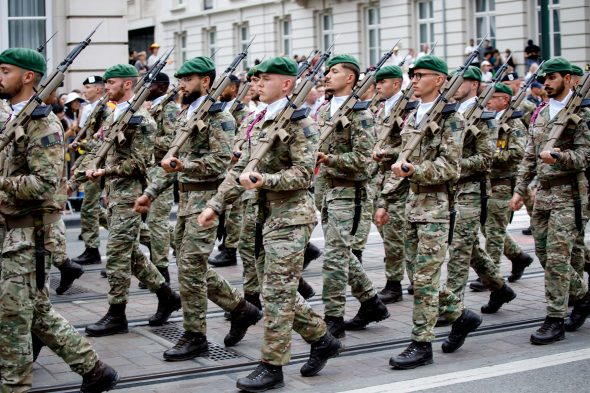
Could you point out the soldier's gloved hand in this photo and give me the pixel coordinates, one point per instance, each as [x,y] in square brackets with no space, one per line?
[381,216]
[207,217]
[251,180]
[169,167]
[516,202]
[399,172]
[142,204]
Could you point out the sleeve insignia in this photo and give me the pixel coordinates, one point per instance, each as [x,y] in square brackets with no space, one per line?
[51,139]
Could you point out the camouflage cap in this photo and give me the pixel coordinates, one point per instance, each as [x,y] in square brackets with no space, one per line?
[120,71]
[576,70]
[502,88]
[277,65]
[196,65]
[472,73]
[556,64]
[430,62]
[25,58]
[388,72]
[342,59]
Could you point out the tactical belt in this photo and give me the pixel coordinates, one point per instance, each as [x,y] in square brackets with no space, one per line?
[476,177]
[501,182]
[335,182]
[418,189]
[278,195]
[28,221]
[560,181]
[201,186]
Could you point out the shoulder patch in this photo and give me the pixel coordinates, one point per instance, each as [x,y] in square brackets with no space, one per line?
[51,139]
[411,105]
[361,105]
[217,107]
[488,115]
[228,126]
[457,125]
[309,130]
[517,115]
[41,112]
[367,123]
[491,123]
[450,108]
[300,114]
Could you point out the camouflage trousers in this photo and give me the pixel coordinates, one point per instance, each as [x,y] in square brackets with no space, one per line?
[393,241]
[158,222]
[340,265]
[555,233]
[124,256]
[25,309]
[60,256]
[233,225]
[196,280]
[498,241]
[90,214]
[465,251]
[279,266]
[246,247]
[426,246]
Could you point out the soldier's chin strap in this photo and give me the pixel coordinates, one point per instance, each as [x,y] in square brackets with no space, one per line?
[39,233]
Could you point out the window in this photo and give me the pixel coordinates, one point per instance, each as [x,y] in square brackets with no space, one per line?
[485,20]
[373,21]
[207,4]
[425,23]
[181,47]
[285,36]
[211,37]
[554,28]
[326,31]
[243,41]
[27,23]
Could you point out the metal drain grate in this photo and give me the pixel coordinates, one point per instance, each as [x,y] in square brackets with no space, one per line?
[172,332]
[74,289]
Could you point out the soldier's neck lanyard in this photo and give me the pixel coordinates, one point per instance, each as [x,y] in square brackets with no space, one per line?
[251,125]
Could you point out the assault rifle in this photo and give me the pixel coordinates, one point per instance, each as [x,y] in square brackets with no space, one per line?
[197,121]
[33,109]
[90,122]
[240,97]
[41,47]
[127,119]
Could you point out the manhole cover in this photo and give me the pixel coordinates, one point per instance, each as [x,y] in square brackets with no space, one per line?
[172,332]
[74,289]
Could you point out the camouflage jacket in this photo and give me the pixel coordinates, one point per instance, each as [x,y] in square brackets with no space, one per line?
[239,114]
[349,148]
[287,166]
[509,149]
[437,160]
[574,144]
[165,118]
[527,108]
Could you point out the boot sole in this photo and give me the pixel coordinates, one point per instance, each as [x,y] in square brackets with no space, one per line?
[110,333]
[84,263]
[106,387]
[410,366]
[256,390]
[535,341]
[357,328]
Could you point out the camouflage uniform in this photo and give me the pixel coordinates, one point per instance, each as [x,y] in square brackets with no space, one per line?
[437,162]
[31,181]
[204,157]
[289,220]
[159,216]
[347,150]
[553,223]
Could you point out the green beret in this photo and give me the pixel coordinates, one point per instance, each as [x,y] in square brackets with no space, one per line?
[25,58]
[502,88]
[556,64]
[120,71]
[578,71]
[472,73]
[342,59]
[430,62]
[196,65]
[388,72]
[277,65]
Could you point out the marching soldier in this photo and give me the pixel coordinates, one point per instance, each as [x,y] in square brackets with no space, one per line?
[344,173]
[282,184]
[559,207]
[31,200]
[125,173]
[204,159]
[435,163]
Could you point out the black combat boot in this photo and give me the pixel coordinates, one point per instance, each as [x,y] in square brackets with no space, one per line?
[335,326]
[189,346]
[101,378]
[477,286]
[391,293]
[372,310]
[442,322]
[465,324]
[37,346]
[103,273]
[242,317]
[359,255]
[227,257]
[254,299]
[69,271]
[168,302]
[497,299]
[325,348]
[90,256]
[415,355]
[579,314]
[312,252]
[551,331]
[264,377]
[410,289]
[305,289]
[113,322]
[519,263]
